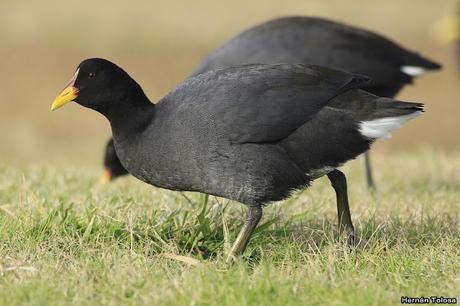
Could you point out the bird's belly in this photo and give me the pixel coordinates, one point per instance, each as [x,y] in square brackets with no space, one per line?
[248,173]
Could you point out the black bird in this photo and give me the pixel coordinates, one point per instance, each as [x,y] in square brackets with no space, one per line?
[251,133]
[112,165]
[312,40]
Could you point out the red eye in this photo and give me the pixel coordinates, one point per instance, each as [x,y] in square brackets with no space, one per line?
[91,75]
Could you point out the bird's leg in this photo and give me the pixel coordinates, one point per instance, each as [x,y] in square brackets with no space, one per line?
[339,183]
[254,215]
[368,169]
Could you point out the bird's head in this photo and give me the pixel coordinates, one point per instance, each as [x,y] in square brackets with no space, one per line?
[112,164]
[98,84]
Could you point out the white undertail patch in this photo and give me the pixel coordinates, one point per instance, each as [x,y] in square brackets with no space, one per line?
[382,127]
[413,70]
[319,172]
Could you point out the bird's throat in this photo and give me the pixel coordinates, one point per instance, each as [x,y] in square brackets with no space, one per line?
[129,120]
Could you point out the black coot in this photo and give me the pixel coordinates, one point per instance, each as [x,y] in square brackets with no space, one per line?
[250,133]
[312,40]
[112,165]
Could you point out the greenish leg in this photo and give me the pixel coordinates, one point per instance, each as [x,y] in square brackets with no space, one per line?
[368,169]
[254,215]
[339,183]
[204,198]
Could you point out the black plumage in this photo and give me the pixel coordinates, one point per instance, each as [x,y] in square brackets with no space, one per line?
[250,133]
[312,40]
[112,165]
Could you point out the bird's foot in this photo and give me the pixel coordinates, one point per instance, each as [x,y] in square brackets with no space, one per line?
[352,240]
[349,236]
[231,259]
[355,241]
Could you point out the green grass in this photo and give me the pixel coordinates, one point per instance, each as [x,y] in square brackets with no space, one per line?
[67,240]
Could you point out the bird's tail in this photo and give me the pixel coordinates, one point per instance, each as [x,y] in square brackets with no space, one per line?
[415,64]
[377,116]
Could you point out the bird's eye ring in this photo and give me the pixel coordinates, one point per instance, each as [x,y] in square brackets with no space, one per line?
[91,75]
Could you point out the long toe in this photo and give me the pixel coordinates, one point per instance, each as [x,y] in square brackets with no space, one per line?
[349,237]
[352,240]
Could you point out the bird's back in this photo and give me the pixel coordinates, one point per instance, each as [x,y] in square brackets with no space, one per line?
[311,40]
[229,132]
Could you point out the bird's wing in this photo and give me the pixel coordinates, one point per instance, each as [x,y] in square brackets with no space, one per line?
[311,40]
[258,103]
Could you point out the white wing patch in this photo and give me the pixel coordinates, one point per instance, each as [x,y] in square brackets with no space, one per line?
[382,127]
[413,70]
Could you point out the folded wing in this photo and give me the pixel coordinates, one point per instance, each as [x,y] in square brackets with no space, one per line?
[259,103]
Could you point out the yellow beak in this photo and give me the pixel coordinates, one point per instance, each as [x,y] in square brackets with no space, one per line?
[106,176]
[68,94]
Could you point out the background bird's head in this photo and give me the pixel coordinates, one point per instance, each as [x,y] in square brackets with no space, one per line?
[112,164]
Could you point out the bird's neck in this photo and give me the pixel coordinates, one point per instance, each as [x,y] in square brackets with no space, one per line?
[131,117]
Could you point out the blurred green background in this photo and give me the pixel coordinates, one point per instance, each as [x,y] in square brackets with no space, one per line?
[160,42]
